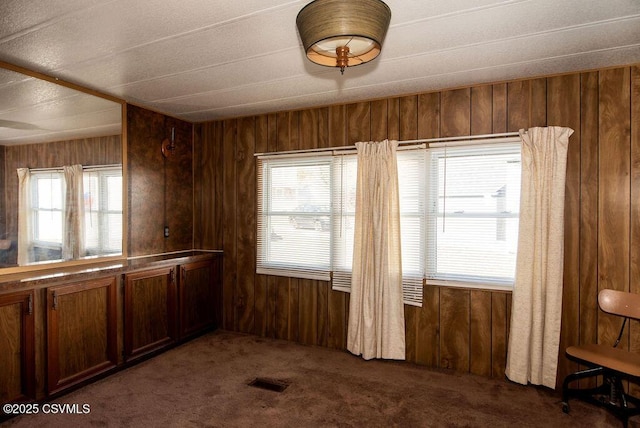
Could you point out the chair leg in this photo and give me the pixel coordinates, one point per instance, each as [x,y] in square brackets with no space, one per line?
[583,374]
[611,392]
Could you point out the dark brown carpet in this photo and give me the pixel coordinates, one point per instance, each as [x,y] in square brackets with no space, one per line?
[204,384]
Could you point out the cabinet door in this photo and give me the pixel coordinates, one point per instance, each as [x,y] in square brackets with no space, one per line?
[81,331]
[149,311]
[197,294]
[17,347]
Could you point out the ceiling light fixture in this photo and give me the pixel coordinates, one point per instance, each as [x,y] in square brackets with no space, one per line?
[343,33]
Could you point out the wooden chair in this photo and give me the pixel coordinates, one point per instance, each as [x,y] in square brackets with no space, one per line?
[611,363]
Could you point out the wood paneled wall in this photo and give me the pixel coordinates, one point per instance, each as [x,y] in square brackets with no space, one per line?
[160,189]
[461,329]
[86,151]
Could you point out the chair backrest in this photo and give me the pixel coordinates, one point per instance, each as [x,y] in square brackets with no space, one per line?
[620,303]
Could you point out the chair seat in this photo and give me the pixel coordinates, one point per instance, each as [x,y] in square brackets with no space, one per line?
[608,357]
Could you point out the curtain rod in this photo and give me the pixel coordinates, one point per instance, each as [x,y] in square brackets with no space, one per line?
[59,168]
[466,138]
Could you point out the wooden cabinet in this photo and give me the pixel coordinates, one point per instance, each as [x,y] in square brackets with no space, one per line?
[199,282]
[150,320]
[81,331]
[17,347]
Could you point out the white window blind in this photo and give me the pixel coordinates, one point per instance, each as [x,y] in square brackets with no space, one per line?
[294,216]
[459,216]
[103,210]
[48,207]
[472,222]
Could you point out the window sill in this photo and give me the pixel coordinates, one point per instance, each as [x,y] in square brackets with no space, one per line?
[470,285]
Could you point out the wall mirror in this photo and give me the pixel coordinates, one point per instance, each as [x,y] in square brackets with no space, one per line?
[61,181]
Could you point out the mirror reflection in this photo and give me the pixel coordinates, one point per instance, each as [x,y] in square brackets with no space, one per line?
[61,172]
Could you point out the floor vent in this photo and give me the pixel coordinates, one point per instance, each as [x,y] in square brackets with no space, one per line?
[270,384]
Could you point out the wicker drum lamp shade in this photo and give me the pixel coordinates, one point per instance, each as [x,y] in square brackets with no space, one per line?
[343,33]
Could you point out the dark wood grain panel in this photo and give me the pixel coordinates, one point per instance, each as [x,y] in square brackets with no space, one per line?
[410,332]
[518,105]
[480,338]
[197,296]
[358,122]
[455,119]
[563,109]
[500,317]
[588,316]
[393,119]
[428,328]
[154,181]
[499,108]
[11,345]
[481,110]
[538,108]
[337,320]
[634,327]
[17,341]
[455,309]
[613,191]
[229,234]
[246,226]
[81,331]
[429,115]
[408,117]
[379,128]
[150,303]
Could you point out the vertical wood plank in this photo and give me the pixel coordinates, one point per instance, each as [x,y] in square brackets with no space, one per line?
[500,316]
[634,326]
[229,234]
[563,109]
[379,120]
[538,108]
[613,192]
[456,113]
[393,118]
[481,110]
[518,102]
[499,105]
[480,337]
[588,327]
[454,329]
[246,218]
[358,122]
[429,115]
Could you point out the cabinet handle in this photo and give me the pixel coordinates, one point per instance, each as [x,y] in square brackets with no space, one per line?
[173,276]
[55,301]
[30,305]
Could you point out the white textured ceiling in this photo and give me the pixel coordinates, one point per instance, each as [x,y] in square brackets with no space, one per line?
[208,59]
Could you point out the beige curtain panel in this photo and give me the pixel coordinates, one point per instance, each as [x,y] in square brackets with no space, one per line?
[73,245]
[534,336]
[24,216]
[376,311]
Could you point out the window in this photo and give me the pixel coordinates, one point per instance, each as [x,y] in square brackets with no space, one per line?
[459,216]
[103,210]
[294,216]
[47,208]
[102,189]
[472,223]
